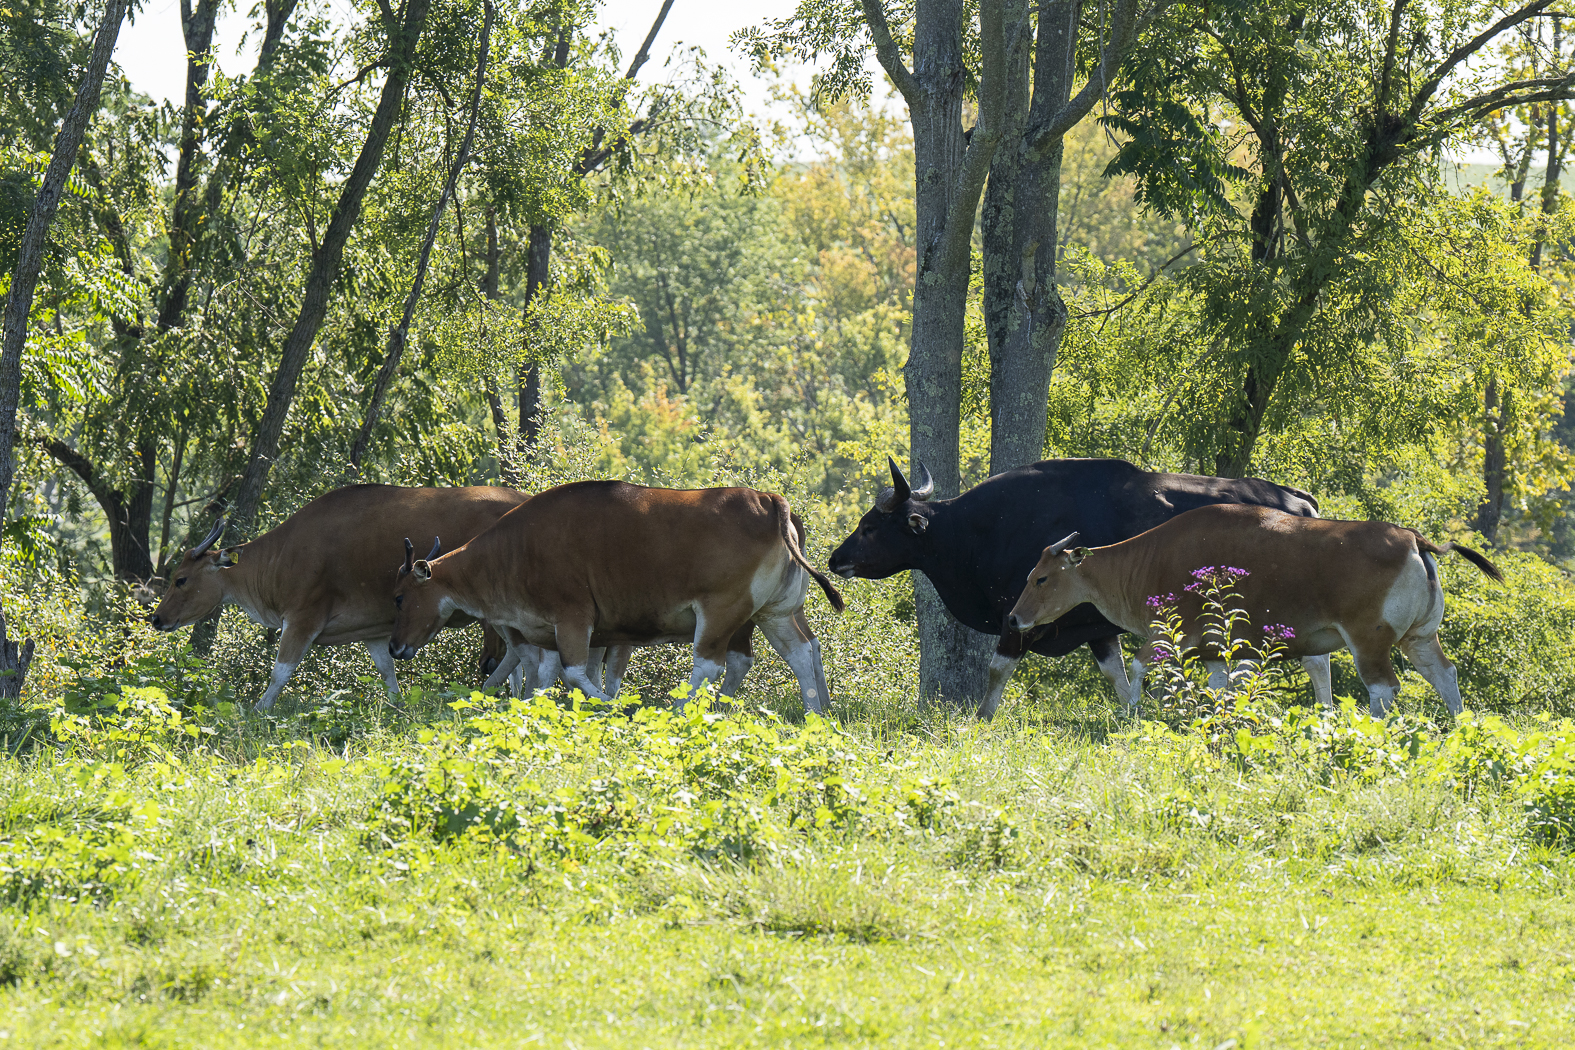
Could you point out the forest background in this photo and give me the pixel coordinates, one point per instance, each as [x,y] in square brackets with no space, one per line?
[633,278]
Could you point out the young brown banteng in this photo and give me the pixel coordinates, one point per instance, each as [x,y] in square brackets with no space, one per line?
[1362,585]
[604,563]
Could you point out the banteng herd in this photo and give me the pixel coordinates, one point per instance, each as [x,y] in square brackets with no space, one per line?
[569,581]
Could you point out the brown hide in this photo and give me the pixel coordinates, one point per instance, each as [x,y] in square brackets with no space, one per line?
[602,563]
[326,574]
[1328,581]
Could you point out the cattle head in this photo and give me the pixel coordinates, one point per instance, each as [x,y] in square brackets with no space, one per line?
[422,604]
[1054,587]
[890,537]
[197,585]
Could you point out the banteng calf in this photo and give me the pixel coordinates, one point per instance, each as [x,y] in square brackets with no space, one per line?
[1362,585]
[606,563]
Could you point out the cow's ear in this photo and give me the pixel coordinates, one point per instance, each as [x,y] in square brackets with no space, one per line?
[1077,554]
[228,557]
[918,522]
[422,570]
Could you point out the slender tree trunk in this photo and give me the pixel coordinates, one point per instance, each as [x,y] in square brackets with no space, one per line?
[30,259]
[500,419]
[187,215]
[538,265]
[1492,506]
[398,335]
[325,268]
[14,662]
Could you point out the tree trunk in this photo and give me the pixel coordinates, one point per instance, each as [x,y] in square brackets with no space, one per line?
[1495,417]
[398,335]
[949,174]
[538,264]
[326,262]
[14,662]
[30,259]
[500,420]
[187,214]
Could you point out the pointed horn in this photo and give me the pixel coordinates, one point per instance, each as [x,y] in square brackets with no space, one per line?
[926,484]
[437,547]
[410,554]
[1061,545]
[898,482]
[202,548]
[892,498]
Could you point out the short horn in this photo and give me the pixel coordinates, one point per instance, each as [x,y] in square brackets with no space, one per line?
[202,548]
[437,547]
[926,486]
[410,554]
[1061,545]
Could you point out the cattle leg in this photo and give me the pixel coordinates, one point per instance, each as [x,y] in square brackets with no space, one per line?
[740,658]
[791,637]
[293,643]
[1135,695]
[1107,654]
[1317,668]
[383,660]
[1438,669]
[574,650]
[593,665]
[1002,666]
[617,663]
[509,669]
[1373,664]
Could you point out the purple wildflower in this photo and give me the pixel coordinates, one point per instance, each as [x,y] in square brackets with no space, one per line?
[1280,631]
[1158,601]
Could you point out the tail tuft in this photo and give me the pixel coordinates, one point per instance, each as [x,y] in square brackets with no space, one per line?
[1474,557]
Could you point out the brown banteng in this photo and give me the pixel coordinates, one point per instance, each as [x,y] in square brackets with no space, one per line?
[536,668]
[604,563]
[1362,585]
[323,576]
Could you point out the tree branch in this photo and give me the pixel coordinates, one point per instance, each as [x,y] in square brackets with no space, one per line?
[986,133]
[888,53]
[1126,25]
[1466,50]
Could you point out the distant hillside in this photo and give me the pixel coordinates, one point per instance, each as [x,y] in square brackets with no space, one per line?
[1469,174]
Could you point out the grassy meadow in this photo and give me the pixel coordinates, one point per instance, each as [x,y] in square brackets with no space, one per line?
[474,871]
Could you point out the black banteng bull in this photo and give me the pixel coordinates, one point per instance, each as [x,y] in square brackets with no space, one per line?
[979,548]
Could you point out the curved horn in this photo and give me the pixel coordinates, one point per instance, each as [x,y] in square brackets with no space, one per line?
[926,484]
[202,548]
[1061,545]
[410,554]
[437,547]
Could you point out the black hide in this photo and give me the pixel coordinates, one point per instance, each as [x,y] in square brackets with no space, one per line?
[979,548]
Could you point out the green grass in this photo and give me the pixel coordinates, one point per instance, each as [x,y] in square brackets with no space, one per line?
[910,880]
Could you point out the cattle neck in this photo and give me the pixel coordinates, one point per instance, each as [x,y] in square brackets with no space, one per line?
[949,555]
[1112,577]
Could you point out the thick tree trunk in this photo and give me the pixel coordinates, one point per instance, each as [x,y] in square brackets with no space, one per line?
[30,259]
[949,176]
[325,268]
[398,335]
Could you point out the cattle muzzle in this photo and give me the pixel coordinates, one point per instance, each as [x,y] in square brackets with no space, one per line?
[1017,624]
[158,623]
[400,652]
